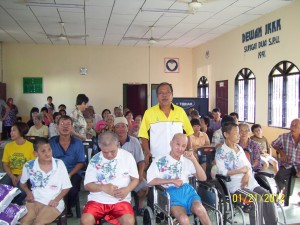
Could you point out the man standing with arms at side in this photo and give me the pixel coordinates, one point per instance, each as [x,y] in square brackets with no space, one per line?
[288,146]
[160,123]
[71,151]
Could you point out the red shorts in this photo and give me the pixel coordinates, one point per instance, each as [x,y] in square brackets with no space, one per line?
[109,212]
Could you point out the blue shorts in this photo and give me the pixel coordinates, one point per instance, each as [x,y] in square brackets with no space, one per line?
[183,196]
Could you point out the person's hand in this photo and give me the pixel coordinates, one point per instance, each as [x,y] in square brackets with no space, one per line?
[109,188]
[53,203]
[244,169]
[121,193]
[29,197]
[177,182]
[245,181]
[298,175]
[15,180]
[189,154]
[283,157]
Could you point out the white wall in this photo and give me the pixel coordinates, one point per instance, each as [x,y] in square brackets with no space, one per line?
[108,69]
[227,57]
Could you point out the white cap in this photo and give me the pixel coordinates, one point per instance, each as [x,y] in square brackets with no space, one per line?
[120,120]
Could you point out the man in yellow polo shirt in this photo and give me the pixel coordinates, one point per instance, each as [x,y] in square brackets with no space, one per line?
[158,126]
[161,122]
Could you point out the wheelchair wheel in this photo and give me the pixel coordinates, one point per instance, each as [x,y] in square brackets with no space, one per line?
[149,218]
[224,207]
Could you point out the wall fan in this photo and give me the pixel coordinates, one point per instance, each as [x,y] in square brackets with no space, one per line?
[62,36]
[193,7]
[150,40]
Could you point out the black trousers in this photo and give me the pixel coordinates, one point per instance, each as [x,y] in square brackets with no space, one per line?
[74,191]
[283,175]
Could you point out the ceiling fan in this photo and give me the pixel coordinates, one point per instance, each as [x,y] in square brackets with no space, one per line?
[150,40]
[62,36]
[193,7]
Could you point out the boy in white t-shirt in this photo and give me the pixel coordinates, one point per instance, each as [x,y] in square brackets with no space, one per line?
[49,184]
[110,177]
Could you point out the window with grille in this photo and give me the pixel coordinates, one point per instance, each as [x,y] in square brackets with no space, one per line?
[244,102]
[284,91]
[203,87]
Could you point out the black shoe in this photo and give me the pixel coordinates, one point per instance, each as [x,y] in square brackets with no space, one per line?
[69,214]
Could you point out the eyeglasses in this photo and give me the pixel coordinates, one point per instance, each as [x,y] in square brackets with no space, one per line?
[164,93]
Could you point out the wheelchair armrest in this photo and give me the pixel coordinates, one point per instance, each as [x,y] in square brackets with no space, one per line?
[160,188]
[205,184]
[267,174]
[225,178]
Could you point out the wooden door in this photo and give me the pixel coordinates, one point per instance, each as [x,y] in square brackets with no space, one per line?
[222,96]
[135,98]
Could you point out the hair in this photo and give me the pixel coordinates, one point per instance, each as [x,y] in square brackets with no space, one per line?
[206,120]
[216,110]
[227,127]
[227,119]
[49,97]
[39,117]
[81,98]
[194,113]
[89,118]
[126,114]
[33,110]
[62,111]
[65,117]
[22,128]
[178,135]
[163,84]
[44,109]
[103,111]
[62,105]
[195,122]
[243,124]
[55,115]
[254,126]
[108,138]
[38,142]
[234,114]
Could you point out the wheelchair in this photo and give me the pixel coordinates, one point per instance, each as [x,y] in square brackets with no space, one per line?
[230,206]
[161,209]
[217,199]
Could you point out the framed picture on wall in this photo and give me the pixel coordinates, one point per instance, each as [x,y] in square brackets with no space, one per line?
[171,65]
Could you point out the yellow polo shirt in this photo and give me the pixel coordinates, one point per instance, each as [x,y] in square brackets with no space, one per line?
[160,129]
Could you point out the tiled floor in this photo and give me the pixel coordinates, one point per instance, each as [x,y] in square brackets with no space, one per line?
[292,212]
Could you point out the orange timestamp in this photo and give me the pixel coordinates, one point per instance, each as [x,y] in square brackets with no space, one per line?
[249,198]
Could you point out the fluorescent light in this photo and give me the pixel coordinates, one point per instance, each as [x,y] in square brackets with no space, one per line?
[53,5]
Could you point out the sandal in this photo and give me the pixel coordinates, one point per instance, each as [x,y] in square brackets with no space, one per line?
[141,211]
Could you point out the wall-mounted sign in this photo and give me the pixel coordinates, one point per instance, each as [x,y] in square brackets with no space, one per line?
[260,32]
[171,65]
[32,85]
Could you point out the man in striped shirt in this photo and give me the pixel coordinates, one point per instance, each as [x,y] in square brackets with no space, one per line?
[288,146]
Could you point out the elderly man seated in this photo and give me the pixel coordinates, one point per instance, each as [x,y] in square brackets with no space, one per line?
[172,172]
[110,177]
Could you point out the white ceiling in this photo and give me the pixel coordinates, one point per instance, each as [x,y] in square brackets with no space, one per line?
[107,22]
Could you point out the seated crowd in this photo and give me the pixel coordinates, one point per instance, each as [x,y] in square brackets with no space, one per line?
[49,172]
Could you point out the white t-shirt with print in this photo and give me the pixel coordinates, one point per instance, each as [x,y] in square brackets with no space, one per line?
[46,186]
[116,171]
[166,167]
[228,159]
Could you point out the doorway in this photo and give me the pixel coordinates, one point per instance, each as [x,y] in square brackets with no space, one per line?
[135,98]
[222,96]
